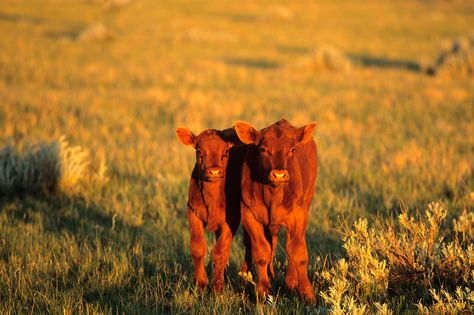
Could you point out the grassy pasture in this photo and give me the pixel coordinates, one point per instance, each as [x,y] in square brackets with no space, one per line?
[389,136]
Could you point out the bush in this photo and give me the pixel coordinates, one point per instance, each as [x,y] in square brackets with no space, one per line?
[408,255]
[95,32]
[326,58]
[46,168]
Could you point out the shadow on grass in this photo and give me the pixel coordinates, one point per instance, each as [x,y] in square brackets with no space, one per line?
[63,35]
[163,265]
[161,258]
[241,17]
[385,63]
[20,18]
[253,63]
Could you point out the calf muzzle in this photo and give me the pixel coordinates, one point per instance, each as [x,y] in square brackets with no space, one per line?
[213,173]
[278,176]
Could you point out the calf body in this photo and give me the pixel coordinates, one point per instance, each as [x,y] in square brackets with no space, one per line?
[278,180]
[214,200]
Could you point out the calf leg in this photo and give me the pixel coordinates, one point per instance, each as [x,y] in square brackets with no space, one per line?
[299,252]
[198,248]
[273,240]
[291,278]
[274,245]
[261,251]
[247,265]
[220,257]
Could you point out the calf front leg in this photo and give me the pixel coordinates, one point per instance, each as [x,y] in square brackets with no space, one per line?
[220,257]
[261,251]
[198,248]
[299,254]
[291,278]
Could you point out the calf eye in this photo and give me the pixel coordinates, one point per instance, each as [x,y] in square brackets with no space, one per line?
[263,150]
[293,150]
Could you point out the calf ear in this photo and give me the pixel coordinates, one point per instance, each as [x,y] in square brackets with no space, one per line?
[305,133]
[246,133]
[186,137]
[230,136]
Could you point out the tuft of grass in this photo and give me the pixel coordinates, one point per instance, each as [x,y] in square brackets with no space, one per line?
[46,168]
[325,58]
[115,4]
[95,32]
[277,12]
[456,59]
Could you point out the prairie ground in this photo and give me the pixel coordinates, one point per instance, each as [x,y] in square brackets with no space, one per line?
[118,81]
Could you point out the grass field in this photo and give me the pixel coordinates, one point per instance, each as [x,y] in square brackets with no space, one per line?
[389,137]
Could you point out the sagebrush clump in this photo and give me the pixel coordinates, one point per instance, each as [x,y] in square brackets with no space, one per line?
[46,168]
[409,254]
[95,32]
[325,58]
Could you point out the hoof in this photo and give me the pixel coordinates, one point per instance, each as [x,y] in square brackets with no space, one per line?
[263,291]
[202,283]
[291,282]
[307,294]
[217,286]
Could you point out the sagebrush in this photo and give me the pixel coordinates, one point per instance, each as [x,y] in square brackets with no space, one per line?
[46,168]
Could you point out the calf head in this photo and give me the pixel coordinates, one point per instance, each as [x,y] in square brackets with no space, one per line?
[276,146]
[212,152]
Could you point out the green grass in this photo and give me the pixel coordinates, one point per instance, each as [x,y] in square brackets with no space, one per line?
[387,135]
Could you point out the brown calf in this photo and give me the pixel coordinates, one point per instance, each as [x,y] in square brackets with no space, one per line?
[278,180]
[214,199]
